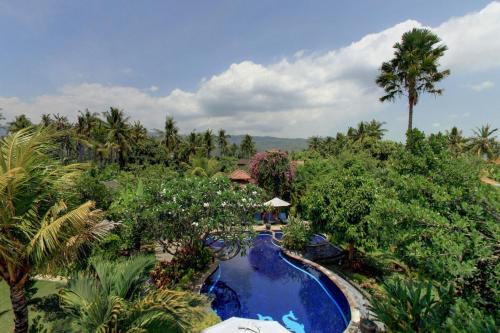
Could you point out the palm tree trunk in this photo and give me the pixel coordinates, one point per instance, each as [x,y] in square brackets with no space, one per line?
[20,308]
[410,113]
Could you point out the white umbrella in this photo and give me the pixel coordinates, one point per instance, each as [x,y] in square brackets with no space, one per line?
[243,325]
[277,202]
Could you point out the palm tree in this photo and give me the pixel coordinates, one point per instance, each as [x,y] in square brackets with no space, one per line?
[375,130]
[37,229]
[171,137]
[208,142]
[46,120]
[62,126]
[109,299]
[314,142]
[192,143]
[19,123]
[247,147]
[414,69]
[456,141]
[116,124]
[484,144]
[137,133]
[223,143]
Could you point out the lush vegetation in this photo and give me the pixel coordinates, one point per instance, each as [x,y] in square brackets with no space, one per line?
[417,211]
[132,219]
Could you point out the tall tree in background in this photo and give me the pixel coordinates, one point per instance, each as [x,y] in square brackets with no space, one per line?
[483,143]
[37,229]
[456,141]
[247,147]
[171,137]
[19,123]
[116,124]
[208,142]
[414,69]
[223,143]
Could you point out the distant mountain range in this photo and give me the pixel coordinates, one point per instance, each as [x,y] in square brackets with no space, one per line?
[263,143]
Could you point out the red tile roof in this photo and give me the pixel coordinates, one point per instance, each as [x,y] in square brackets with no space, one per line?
[239,174]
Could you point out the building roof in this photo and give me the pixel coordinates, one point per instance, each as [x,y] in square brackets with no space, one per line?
[239,174]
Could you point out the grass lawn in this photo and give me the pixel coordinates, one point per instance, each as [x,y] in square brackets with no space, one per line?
[7,319]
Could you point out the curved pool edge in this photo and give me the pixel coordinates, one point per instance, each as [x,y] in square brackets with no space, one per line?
[209,271]
[358,304]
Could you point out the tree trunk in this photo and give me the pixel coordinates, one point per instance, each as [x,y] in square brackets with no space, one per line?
[350,251]
[20,308]
[410,113]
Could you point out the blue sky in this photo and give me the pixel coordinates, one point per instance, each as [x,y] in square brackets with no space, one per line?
[284,68]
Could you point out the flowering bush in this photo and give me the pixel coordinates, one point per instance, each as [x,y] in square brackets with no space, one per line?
[191,213]
[273,172]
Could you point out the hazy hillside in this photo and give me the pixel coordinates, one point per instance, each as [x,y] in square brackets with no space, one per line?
[267,142]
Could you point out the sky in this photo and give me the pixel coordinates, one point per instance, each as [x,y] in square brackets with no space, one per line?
[285,68]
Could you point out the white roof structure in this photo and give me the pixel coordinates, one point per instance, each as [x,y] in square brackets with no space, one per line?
[243,325]
[277,202]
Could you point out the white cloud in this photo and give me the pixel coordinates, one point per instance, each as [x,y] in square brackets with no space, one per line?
[306,94]
[485,85]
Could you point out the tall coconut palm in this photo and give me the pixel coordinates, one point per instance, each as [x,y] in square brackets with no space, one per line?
[37,229]
[116,124]
[247,147]
[208,142]
[192,143]
[171,136]
[456,141]
[414,69]
[484,144]
[375,129]
[19,123]
[111,299]
[46,120]
[223,143]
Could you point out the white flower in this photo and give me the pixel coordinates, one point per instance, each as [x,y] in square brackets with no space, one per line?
[224,204]
[219,192]
[195,224]
[206,205]
[243,200]
[254,192]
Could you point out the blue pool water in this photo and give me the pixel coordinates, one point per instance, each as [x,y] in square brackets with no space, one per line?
[265,284]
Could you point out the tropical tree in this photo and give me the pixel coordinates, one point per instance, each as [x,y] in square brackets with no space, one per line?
[273,172]
[116,124]
[314,142]
[86,122]
[186,214]
[247,147]
[414,69]
[483,143]
[37,228]
[375,129]
[208,142]
[171,137]
[456,141]
[19,123]
[112,298]
[46,120]
[223,143]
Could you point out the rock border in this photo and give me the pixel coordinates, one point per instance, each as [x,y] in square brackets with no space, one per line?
[358,303]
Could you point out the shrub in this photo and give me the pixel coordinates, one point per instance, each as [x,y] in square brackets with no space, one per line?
[296,235]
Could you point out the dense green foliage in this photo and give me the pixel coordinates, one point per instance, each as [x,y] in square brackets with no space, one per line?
[296,234]
[421,210]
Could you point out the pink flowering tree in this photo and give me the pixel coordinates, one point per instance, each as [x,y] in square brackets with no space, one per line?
[273,172]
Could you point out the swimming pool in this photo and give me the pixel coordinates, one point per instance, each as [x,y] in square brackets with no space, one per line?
[266,284]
